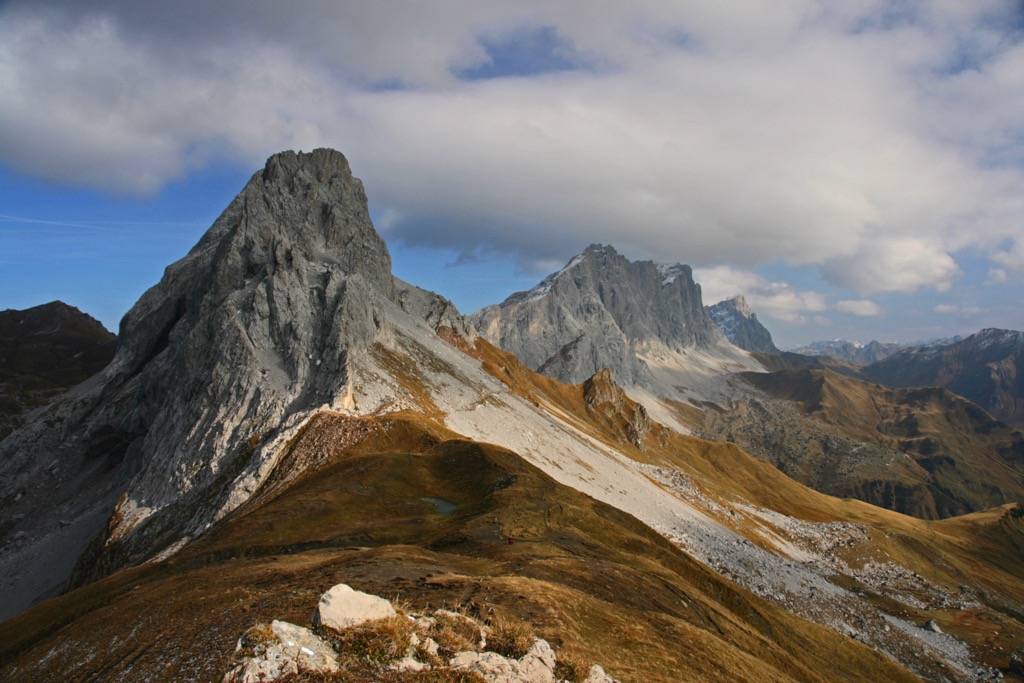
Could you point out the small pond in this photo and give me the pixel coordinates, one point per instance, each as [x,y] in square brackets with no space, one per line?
[443,506]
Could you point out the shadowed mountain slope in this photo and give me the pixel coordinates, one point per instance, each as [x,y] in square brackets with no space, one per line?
[984,368]
[45,350]
[925,452]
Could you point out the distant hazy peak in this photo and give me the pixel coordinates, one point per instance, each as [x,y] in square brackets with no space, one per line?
[853,352]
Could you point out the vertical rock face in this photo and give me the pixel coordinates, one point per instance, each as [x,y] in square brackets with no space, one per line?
[596,313]
[741,326]
[254,326]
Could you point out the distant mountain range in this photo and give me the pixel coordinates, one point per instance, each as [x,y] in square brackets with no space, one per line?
[926,452]
[851,352]
[987,368]
[983,367]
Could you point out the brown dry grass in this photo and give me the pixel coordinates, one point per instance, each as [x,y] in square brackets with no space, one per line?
[455,633]
[590,579]
[510,636]
[375,643]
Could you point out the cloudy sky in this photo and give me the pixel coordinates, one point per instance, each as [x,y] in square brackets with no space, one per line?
[854,167]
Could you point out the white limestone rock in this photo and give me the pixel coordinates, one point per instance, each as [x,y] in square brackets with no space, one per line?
[410,665]
[536,666]
[342,607]
[292,649]
[309,651]
[598,675]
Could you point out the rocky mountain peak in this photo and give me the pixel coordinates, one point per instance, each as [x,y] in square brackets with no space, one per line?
[601,251]
[739,303]
[300,228]
[238,341]
[740,324]
[596,312]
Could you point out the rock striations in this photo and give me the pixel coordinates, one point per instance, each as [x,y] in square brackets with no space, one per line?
[598,312]
[741,326]
[216,366]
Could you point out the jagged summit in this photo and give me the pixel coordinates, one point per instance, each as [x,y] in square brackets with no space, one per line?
[739,302]
[740,324]
[300,225]
[597,312]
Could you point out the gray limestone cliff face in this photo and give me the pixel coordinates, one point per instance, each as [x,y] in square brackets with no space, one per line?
[600,311]
[741,326]
[433,309]
[235,345]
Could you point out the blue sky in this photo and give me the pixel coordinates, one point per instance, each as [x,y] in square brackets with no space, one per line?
[854,168]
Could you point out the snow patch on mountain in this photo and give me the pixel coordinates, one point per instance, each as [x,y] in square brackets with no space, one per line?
[669,272]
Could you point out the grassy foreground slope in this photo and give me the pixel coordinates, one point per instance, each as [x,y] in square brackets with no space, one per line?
[376,515]
[965,572]
[400,506]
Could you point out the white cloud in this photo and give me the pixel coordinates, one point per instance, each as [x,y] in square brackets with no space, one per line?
[997,276]
[894,264]
[833,133]
[1010,259]
[862,308]
[778,300]
[946,309]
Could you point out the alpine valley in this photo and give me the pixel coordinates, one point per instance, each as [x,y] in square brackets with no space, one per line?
[642,482]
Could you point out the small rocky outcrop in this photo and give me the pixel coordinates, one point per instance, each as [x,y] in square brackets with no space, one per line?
[598,312]
[281,649]
[603,396]
[376,638]
[538,664]
[741,326]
